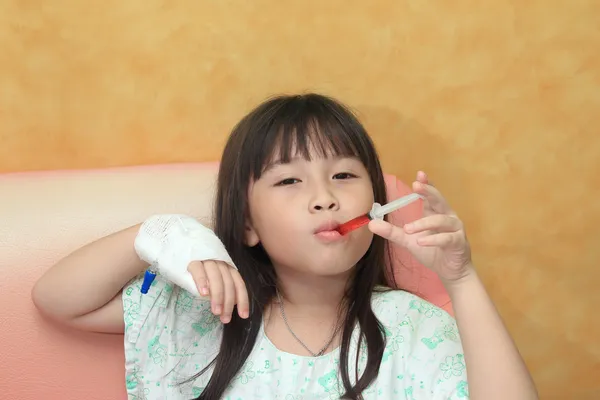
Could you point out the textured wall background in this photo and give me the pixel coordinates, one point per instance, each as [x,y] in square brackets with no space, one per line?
[499,101]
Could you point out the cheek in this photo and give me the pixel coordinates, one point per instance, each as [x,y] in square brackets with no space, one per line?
[361,199]
[278,213]
[363,237]
[281,241]
[277,229]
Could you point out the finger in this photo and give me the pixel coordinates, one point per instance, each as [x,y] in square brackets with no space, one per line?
[387,231]
[437,222]
[443,240]
[422,177]
[196,269]
[241,295]
[228,293]
[216,286]
[433,196]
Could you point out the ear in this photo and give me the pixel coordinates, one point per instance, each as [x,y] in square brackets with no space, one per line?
[251,237]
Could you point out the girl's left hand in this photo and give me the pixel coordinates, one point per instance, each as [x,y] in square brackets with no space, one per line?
[437,240]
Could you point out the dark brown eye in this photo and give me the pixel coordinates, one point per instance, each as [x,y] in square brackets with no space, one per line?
[344,175]
[288,181]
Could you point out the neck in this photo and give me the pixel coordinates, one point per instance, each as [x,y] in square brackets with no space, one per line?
[314,295]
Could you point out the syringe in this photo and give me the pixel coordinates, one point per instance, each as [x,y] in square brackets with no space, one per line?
[377,212]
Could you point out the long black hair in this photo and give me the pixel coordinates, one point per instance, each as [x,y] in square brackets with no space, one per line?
[296,124]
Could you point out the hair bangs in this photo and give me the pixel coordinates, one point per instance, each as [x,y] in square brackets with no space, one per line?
[306,130]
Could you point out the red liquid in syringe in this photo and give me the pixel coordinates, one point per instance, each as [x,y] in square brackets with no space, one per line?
[353,224]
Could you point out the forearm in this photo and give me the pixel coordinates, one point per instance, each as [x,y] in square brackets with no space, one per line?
[495,368]
[90,277]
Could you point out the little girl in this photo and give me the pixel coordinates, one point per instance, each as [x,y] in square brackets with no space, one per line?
[275,303]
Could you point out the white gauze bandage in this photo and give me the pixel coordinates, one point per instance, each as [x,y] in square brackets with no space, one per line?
[169,243]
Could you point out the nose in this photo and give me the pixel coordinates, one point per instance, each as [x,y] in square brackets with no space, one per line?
[323,200]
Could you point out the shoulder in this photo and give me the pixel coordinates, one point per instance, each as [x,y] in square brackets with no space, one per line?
[170,336]
[425,340]
[393,306]
[405,314]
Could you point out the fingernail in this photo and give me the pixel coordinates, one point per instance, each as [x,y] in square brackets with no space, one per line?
[217,309]
[409,227]
[225,319]
[244,314]
[204,291]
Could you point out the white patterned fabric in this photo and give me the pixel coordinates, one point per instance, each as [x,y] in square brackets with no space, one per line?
[170,335]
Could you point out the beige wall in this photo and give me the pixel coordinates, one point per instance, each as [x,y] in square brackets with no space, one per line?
[498,100]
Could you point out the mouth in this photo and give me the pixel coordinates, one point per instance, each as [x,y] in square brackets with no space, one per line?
[330,226]
[328,232]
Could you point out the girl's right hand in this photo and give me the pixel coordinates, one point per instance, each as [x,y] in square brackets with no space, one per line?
[224,285]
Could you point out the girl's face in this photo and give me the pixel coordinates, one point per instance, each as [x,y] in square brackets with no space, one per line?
[295,208]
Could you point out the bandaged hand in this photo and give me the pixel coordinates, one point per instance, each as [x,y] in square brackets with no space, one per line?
[190,255]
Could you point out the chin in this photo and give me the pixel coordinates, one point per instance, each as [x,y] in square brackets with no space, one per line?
[323,267]
[331,268]
[324,261]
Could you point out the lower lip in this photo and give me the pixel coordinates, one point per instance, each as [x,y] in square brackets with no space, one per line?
[329,236]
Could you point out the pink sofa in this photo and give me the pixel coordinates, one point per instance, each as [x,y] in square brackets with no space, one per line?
[44,216]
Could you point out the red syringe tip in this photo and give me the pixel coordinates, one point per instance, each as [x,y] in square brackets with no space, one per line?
[353,224]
